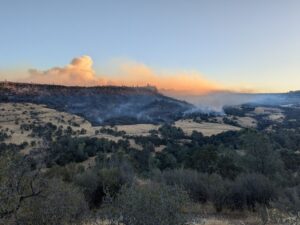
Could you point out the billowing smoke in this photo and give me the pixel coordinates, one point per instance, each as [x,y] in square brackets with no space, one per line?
[188,86]
[80,72]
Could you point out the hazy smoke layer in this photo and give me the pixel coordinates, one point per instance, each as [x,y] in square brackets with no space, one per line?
[214,102]
[80,72]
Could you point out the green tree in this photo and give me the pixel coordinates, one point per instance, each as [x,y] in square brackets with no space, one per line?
[205,159]
[260,156]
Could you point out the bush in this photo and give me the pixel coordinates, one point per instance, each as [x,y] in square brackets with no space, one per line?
[260,155]
[205,159]
[250,189]
[227,166]
[28,198]
[97,184]
[3,135]
[150,204]
[171,132]
[190,180]
[289,200]
[218,191]
[166,160]
[60,203]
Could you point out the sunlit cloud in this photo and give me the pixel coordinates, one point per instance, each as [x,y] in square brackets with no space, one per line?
[80,72]
[137,74]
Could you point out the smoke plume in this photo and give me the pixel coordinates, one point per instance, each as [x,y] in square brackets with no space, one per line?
[80,72]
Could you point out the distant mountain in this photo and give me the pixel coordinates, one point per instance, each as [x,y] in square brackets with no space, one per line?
[101,104]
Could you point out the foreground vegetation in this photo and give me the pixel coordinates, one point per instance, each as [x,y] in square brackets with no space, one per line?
[253,171]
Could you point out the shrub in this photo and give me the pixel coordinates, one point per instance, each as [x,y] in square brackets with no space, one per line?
[97,184]
[150,204]
[166,160]
[250,189]
[260,155]
[189,180]
[171,132]
[289,200]
[60,203]
[218,191]
[28,198]
[205,159]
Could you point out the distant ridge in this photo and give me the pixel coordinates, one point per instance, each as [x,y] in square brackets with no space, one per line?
[9,84]
[100,104]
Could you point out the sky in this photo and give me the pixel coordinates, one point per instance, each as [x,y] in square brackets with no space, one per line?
[185,45]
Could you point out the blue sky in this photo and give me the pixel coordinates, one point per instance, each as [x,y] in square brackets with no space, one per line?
[255,43]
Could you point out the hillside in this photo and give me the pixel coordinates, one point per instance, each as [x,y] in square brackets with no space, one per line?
[223,164]
[99,105]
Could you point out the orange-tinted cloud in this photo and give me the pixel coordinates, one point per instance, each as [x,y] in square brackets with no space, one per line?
[80,72]
[135,74]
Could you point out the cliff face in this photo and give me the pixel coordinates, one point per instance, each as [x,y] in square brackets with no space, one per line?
[100,105]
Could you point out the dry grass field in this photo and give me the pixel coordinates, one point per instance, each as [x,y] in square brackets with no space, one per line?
[207,129]
[137,129]
[187,125]
[13,115]
[267,110]
[274,114]
[246,121]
